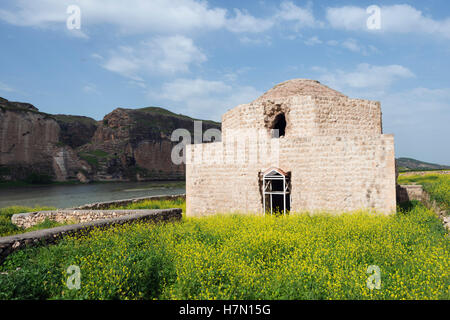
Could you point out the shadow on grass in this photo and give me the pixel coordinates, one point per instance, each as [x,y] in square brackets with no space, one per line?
[408,206]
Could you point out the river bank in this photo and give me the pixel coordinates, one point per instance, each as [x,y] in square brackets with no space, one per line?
[67,195]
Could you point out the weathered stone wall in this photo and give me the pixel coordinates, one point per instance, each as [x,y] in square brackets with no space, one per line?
[333,147]
[86,213]
[407,193]
[327,173]
[16,242]
[309,116]
[343,116]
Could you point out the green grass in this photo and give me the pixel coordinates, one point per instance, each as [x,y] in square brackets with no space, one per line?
[244,257]
[64,118]
[90,159]
[93,157]
[99,153]
[7,228]
[165,112]
[154,204]
[437,185]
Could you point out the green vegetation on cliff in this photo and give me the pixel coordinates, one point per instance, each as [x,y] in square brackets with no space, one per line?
[154,121]
[161,111]
[93,158]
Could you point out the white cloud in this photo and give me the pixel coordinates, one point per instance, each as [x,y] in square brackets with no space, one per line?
[348,17]
[97,56]
[163,55]
[184,89]
[260,40]
[235,74]
[244,22]
[203,98]
[332,42]
[125,62]
[348,44]
[301,17]
[90,88]
[287,14]
[75,33]
[155,16]
[185,16]
[313,41]
[6,88]
[131,16]
[396,19]
[365,76]
[352,45]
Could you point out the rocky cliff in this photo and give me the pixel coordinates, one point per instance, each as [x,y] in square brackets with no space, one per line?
[30,146]
[129,144]
[135,144]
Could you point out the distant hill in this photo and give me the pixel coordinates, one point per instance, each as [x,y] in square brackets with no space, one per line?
[408,164]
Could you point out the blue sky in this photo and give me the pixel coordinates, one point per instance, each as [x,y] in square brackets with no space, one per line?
[202,58]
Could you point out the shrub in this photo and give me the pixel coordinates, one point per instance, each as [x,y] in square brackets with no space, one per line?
[37,178]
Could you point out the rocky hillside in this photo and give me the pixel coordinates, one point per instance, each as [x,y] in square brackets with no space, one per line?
[135,144]
[129,144]
[408,164]
[75,130]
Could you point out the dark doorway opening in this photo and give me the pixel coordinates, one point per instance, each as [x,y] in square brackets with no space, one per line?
[278,204]
[276,192]
[280,125]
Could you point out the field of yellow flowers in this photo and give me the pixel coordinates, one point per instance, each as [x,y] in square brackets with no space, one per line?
[243,257]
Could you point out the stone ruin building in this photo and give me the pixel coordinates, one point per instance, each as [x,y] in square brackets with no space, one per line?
[316,150]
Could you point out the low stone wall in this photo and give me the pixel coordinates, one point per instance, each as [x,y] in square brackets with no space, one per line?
[411,192]
[29,219]
[108,204]
[12,243]
[407,193]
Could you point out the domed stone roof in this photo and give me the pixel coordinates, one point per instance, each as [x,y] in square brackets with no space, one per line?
[299,87]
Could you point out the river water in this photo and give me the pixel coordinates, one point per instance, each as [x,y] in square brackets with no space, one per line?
[67,196]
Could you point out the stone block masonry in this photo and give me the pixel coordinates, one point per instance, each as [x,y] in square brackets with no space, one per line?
[27,220]
[48,236]
[332,148]
[85,213]
[407,193]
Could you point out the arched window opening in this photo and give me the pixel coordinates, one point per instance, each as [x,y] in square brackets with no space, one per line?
[280,125]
